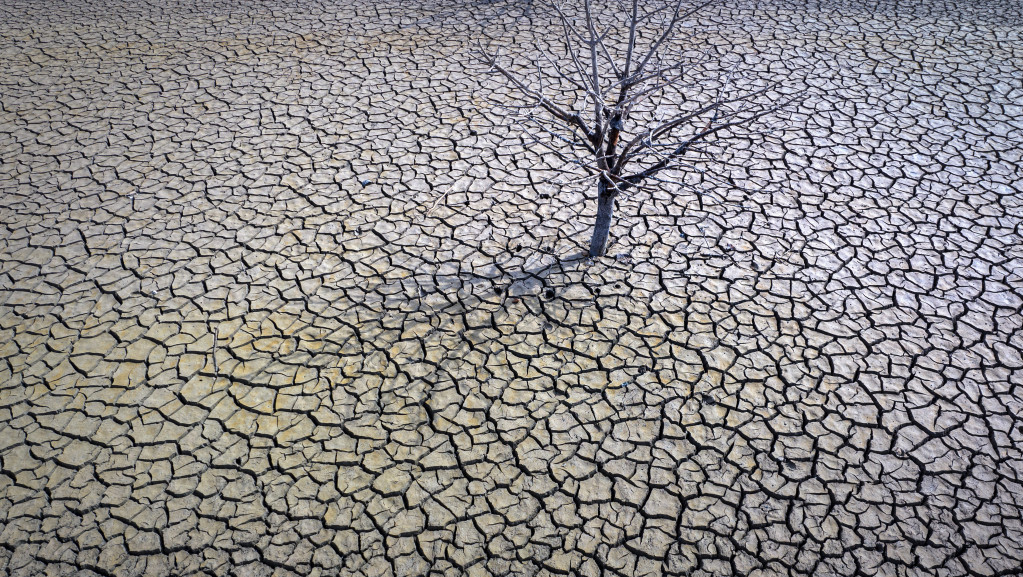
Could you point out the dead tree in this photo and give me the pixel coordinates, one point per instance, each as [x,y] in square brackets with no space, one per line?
[625,96]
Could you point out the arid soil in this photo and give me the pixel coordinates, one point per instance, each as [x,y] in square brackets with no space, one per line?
[277,298]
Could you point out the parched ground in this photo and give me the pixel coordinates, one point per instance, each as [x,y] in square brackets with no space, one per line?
[277,298]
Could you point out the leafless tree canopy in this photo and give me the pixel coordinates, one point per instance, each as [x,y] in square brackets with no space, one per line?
[622,95]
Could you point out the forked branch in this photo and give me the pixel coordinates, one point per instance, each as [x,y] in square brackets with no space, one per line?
[652,104]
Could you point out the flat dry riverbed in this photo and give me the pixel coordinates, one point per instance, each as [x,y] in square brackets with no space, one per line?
[276,298]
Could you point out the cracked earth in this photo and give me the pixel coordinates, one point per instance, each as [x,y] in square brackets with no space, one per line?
[278,298]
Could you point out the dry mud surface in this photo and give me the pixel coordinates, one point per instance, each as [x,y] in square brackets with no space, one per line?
[277,298]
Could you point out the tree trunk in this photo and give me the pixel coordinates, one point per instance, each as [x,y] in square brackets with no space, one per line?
[605,210]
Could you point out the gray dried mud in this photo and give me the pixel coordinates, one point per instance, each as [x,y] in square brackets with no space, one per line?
[277,298]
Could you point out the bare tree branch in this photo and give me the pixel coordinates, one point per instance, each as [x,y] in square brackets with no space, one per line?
[634,69]
[685,146]
[670,29]
[543,101]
